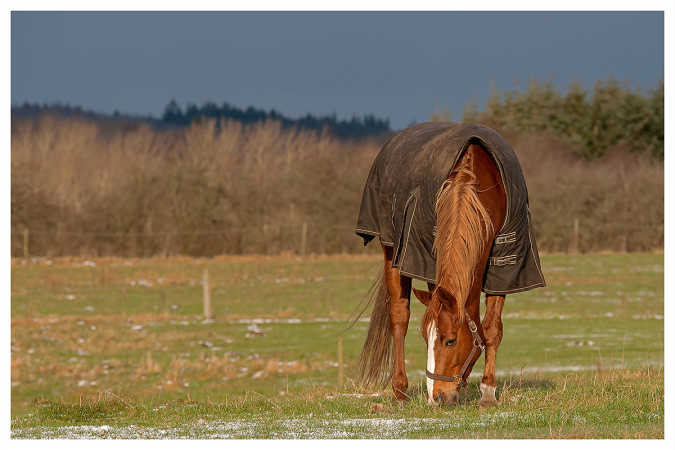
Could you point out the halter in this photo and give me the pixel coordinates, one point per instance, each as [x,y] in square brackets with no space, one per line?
[478,346]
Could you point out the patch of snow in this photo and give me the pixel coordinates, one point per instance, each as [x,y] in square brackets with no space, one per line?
[580,343]
[648,316]
[590,293]
[291,320]
[578,336]
[254,330]
[374,394]
[570,368]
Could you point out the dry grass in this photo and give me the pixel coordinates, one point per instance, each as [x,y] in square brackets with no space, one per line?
[161,187]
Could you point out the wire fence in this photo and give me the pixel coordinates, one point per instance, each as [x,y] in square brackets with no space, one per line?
[299,238]
[302,238]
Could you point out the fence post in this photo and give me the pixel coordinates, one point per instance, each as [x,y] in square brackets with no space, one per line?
[132,246]
[208,314]
[574,243]
[340,375]
[25,243]
[303,239]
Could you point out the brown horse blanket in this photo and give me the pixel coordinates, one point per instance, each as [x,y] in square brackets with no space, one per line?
[399,198]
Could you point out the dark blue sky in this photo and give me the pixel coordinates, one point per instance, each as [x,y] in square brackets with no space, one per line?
[396,65]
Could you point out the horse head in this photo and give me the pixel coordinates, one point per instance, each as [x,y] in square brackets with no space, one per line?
[452,341]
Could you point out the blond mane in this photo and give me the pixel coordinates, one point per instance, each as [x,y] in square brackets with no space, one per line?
[463,227]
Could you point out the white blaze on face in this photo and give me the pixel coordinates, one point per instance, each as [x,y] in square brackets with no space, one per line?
[431,359]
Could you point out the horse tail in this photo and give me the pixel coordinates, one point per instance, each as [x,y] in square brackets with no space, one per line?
[463,230]
[376,361]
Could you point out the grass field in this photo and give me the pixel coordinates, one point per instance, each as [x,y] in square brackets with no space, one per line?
[118,348]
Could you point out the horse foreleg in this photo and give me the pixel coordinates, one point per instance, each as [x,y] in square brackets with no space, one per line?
[399,314]
[492,328]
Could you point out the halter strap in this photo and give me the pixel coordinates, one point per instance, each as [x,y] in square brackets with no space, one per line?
[478,346]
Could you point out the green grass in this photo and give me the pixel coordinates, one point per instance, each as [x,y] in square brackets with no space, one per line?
[95,354]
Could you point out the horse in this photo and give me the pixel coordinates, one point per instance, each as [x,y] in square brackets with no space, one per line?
[477,212]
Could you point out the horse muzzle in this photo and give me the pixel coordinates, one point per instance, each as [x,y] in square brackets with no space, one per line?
[445,399]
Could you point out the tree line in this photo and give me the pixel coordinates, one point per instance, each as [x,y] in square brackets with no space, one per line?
[609,115]
[592,121]
[175,116]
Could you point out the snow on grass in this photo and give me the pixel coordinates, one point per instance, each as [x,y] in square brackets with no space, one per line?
[296,428]
[290,320]
[570,368]
[549,316]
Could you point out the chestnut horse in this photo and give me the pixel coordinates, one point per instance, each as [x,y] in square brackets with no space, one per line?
[470,210]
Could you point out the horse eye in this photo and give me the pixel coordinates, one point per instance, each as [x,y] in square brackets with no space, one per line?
[450,342]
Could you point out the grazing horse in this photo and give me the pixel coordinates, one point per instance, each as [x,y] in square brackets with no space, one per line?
[449,205]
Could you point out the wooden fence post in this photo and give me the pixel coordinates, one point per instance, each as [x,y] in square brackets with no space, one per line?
[133,245]
[574,243]
[208,314]
[25,243]
[303,239]
[340,376]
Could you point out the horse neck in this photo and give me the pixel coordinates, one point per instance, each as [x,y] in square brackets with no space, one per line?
[464,229]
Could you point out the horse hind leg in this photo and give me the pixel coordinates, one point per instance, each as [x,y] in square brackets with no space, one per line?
[399,314]
[492,328]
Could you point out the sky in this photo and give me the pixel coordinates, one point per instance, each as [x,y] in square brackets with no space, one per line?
[400,66]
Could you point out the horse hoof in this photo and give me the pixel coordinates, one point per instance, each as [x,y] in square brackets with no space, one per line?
[400,390]
[400,395]
[400,387]
[487,403]
[487,398]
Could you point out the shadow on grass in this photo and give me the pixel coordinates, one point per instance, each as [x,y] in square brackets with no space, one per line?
[471,393]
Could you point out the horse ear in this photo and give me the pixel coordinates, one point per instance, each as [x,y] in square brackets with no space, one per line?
[423,296]
[447,298]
